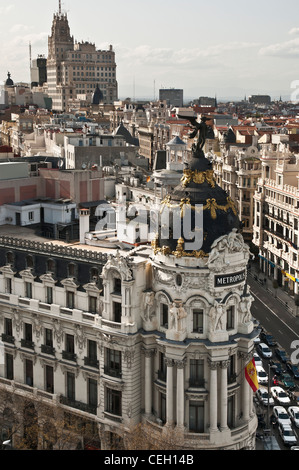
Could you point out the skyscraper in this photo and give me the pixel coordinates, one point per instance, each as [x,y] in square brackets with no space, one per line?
[75,68]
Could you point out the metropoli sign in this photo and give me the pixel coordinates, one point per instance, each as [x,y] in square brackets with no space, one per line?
[230,279]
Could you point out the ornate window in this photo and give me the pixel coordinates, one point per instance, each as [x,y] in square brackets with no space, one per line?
[197,315]
[164,308]
[230,317]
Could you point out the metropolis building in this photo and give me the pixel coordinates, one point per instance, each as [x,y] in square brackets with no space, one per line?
[77,68]
[156,336]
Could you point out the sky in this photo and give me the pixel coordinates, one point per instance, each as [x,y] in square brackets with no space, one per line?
[229,49]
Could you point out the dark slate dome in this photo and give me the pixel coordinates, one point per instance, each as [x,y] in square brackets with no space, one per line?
[219,214]
[98,96]
[9,81]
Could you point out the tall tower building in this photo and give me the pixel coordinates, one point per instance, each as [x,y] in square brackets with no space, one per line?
[75,68]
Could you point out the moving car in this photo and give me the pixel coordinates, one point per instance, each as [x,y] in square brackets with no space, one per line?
[293,412]
[287,380]
[262,376]
[281,415]
[282,355]
[280,395]
[277,367]
[268,339]
[287,434]
[293,369]
[264,397]
[264,350]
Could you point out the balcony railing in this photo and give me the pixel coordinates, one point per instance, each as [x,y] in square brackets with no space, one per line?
[92,409]
[7,338]
[91,362]
[69,356]
[48,349]
[26,343]
[112,372]
[196,382]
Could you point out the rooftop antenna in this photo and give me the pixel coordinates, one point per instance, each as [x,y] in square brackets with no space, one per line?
[59,10]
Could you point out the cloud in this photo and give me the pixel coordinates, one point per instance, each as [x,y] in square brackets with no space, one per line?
[148,55]
[294,31]
[6,9]
[19,28]
[287,49]
[36,39]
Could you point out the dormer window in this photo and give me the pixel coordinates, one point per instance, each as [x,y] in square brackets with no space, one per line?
[50,266]
[9,258]
[29,261]
[71,270]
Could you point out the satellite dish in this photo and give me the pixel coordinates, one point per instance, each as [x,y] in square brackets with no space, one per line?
[84,166]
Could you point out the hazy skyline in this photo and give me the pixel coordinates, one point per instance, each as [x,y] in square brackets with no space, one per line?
[220,48]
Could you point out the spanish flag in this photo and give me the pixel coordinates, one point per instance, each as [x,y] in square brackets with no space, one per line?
[251,375]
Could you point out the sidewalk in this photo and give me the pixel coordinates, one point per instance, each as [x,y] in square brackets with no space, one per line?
[283,297]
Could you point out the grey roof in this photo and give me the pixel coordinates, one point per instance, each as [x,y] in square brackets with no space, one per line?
[176,141]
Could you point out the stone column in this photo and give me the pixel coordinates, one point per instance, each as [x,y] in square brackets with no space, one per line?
[223,401]
[180,399]
[148,354]
[169,392]
[245,358]
[213,396]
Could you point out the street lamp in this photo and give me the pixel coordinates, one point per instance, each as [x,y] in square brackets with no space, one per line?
[6,443]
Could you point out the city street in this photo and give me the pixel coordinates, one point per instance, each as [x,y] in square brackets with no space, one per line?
[280,321]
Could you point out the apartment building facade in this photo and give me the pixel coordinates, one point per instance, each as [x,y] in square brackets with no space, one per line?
[275,230]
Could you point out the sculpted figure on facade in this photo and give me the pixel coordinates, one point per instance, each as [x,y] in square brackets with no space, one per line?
[177,317]
[217,315]
[149,305]
[245,309]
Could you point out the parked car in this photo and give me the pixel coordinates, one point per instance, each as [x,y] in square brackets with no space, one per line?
[287,434]
[264,350]
[280,395]
[268,339]
[293,369]
[293,412]
[257,360]
[281,415]
[262,376]
[257,338]
[282,355]
[264,397]
[287,380]
[277,367]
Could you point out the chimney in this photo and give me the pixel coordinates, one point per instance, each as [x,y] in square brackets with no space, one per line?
[84,224]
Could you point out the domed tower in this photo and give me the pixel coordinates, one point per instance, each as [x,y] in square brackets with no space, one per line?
[9,82]
[200,320]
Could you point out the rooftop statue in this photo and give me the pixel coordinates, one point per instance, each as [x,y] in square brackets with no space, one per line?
[200,128]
